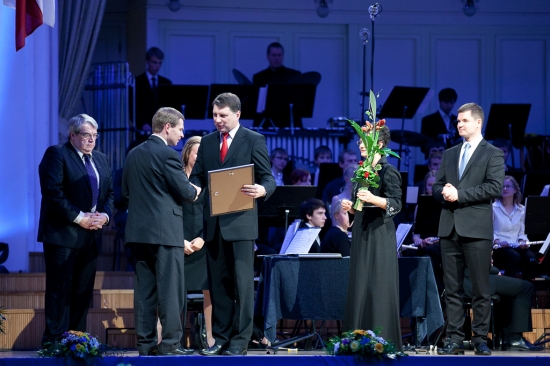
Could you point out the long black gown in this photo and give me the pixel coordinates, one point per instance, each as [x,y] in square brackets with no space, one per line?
[196,276]
[373,287]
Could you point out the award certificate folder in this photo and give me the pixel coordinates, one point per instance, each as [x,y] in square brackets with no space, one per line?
[224,187]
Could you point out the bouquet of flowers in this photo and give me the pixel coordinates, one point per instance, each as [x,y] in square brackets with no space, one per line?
[77,347]
[363,345]
[366,175]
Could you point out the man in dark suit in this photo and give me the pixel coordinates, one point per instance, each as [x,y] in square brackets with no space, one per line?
[147,85]
[442,124]
[155,186]
[470,177]
[276,73]
[77,201]
[230,237]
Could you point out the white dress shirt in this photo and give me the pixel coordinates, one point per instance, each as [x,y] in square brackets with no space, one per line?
[509,227]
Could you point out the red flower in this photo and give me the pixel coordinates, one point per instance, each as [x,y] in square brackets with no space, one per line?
[366,174]
[381,123]
[360,163]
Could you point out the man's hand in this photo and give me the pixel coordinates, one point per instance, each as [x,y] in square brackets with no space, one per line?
[187,247]
[254,191]
[450,193]
[93,221]
[196,244]
[198,191]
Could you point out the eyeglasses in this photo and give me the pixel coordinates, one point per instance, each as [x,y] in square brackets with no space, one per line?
[87,135]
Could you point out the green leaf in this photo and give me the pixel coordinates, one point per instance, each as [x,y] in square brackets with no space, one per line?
[372,100]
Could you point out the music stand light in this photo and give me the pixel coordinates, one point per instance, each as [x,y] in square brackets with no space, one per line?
[537,217]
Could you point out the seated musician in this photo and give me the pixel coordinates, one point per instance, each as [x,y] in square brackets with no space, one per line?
[511,253]
[337,240]
[312,214]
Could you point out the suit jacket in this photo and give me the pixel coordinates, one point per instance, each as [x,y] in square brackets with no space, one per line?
[247,147]
[481,182]
[155,187]
[145,99]
[66,191]
[433,125]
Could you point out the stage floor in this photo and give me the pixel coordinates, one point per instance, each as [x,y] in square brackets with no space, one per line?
[300,358]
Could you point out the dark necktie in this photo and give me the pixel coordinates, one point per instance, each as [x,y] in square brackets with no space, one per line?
[224,148]
[463,160]
[93,179]
[155,92]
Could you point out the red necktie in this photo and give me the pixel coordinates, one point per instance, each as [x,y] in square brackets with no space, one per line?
[223,151]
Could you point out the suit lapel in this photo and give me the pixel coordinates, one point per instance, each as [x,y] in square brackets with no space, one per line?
[474,157]
[237,141]
[78,162]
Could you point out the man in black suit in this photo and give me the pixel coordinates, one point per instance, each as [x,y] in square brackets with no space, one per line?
[77,201]
[230,237]
[276,73]
[147,85]
[442,124]
[470,177]
[154,185]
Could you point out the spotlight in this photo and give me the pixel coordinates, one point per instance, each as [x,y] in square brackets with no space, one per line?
[469,7]
[322,9]
[174,5]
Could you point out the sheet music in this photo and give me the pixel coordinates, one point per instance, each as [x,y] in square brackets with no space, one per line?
[545,246]
[292,228]
[302,240]
[262,96]
[412,195]
[401,233]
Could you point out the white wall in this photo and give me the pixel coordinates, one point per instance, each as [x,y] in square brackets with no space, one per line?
[28,121]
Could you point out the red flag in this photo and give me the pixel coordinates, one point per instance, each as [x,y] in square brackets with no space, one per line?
[29,15]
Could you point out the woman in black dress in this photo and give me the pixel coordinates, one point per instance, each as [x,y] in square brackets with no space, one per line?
[373,287]
[196,278]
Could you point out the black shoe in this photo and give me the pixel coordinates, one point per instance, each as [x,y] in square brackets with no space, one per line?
[451,348]
[180,351]
[212,351]
[481,349]
[153,351]
[522,345]
[234,351]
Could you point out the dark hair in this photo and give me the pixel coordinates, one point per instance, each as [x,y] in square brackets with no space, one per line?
[435,155]
[321,150]
[166,115]
[345,152]
[298,175]
[275,45]
[447,95]
[500,142]
[474,109]
[277,150]
[307,207]
[384,136]
[154,51]
[228,100]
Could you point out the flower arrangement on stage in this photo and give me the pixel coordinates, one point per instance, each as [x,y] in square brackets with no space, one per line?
[77,347]
[364,345]
[366,175]
[2,318]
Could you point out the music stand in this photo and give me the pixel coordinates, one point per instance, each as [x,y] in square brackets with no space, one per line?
[327,173]
[248,94]
[537,217]
[285,202]
[508,121]
[290,100]
[427,216]
[191,100]
[533,183]
[403,102]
